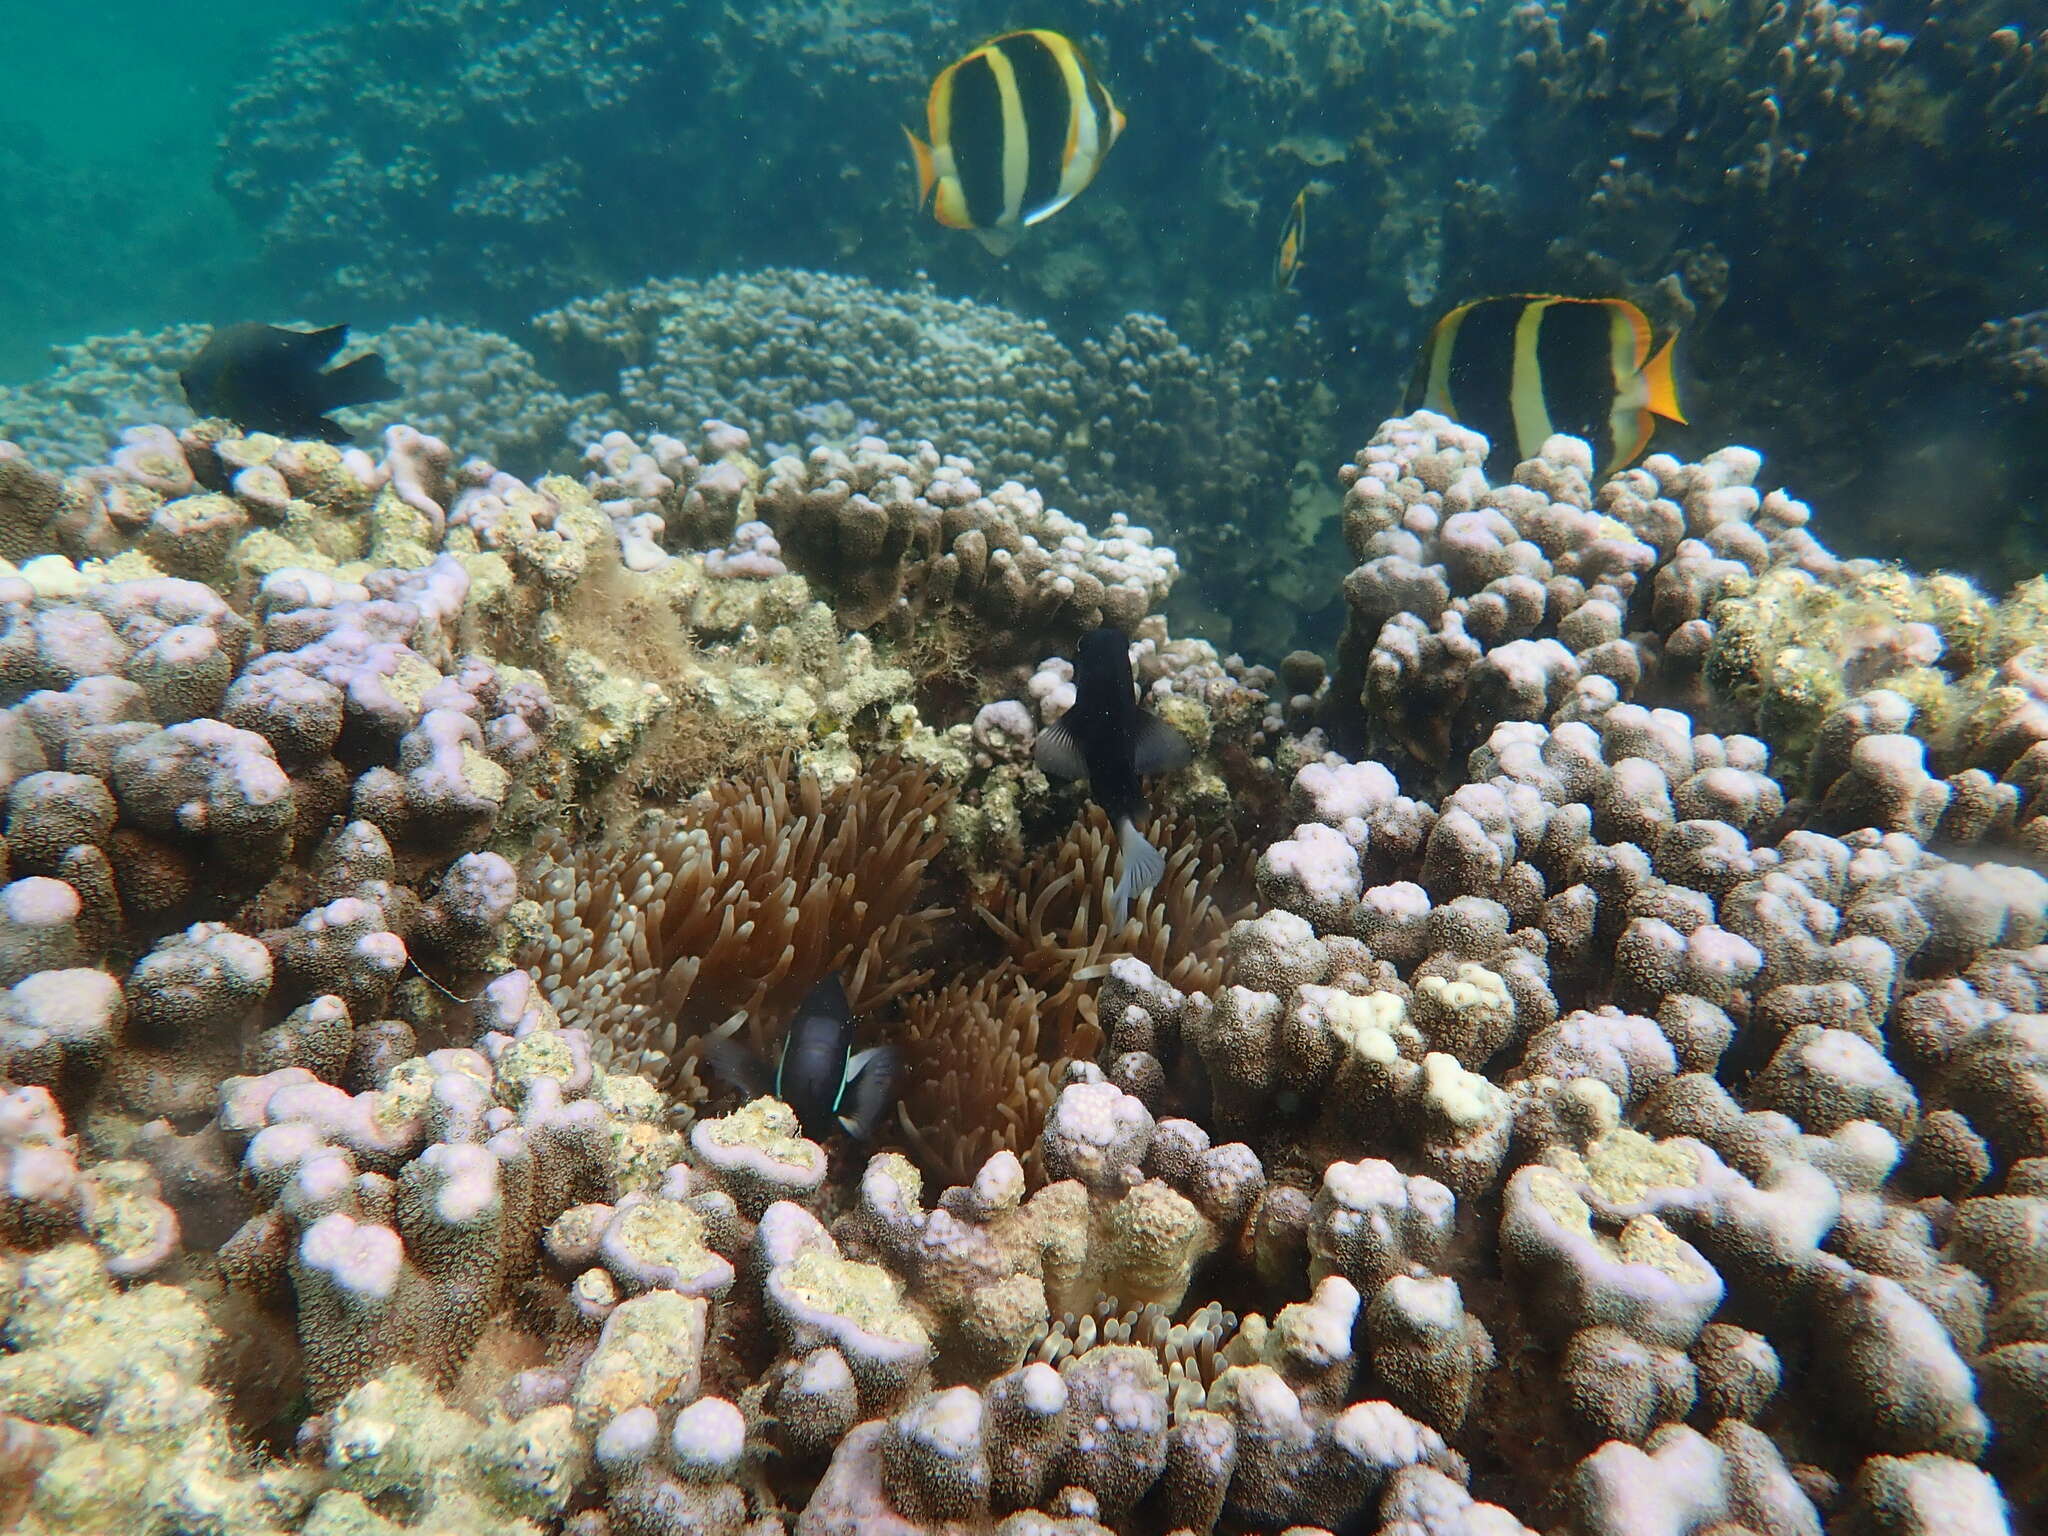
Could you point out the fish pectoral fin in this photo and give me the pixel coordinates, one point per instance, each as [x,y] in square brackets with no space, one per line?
[1160,748]
[1657,374]
[871,1078]
[857,1063]
[737,1067]
[1059,754]
[357,382]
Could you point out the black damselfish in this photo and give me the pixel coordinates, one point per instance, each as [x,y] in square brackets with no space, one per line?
[264,378]
[1110,741]
[831,1086]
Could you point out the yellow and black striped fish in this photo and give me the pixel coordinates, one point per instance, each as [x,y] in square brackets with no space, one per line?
[1287,259]
[1523,366]
[1018,127]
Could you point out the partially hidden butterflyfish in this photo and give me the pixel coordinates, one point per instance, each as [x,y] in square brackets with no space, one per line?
[1018,127]
[1521,367]
[268,379]
[1108,739]
[1287,259]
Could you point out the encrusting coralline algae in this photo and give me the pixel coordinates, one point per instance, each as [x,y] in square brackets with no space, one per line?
[1611,1097]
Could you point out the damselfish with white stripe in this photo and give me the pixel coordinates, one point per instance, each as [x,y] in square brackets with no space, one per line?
[831,1086]
[1524,366]
[1018,127]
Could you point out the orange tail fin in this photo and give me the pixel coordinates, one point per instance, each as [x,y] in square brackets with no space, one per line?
[921,152]
[1663,399]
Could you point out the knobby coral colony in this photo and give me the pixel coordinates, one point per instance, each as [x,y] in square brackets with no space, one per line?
[1611,1096]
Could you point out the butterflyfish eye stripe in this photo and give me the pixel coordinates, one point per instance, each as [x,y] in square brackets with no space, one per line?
[1480,372]
[1432,386]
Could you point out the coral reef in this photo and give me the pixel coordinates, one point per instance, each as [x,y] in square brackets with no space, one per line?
[1714,163]
[1135,428]
[1558,1085]
[1205,447]
[1912,704]
[798,358]
[895,540]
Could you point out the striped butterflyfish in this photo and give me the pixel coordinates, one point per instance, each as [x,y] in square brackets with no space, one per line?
[1287,259]
[1521,367]
[1018,127]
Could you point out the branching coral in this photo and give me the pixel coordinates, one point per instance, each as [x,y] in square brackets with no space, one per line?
[738,903]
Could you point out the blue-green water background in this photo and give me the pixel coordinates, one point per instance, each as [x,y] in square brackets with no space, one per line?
[115,106]
[1832,213]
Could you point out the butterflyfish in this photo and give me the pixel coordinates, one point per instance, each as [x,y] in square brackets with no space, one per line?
[1108,739]
[264,378]
[1521,367]
[1018,127]
[1287,259]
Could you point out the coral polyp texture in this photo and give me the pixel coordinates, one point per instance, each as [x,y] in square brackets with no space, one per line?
[1584,1067]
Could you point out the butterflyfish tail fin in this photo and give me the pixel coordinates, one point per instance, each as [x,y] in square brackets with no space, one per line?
[1142,866]
[1657,374]
[927,173]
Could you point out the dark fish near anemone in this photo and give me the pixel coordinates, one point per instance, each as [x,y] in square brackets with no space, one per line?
[1109,740]
[1522,367]
[1018,127]
[831,1086]
[264,378]
[1293,234]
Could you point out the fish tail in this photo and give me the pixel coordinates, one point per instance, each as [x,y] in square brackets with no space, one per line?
[1663,399]
[358,382]
[1142,866]
[927,172]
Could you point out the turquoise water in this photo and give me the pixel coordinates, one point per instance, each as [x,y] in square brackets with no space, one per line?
[1856,292]
[114,116]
